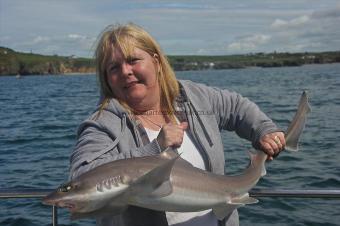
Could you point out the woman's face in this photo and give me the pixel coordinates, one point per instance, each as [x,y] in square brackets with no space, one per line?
[134,79]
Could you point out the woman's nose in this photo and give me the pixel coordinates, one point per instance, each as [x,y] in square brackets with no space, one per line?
[126,68]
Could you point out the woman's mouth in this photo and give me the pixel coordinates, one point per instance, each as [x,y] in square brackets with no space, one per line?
[131,84]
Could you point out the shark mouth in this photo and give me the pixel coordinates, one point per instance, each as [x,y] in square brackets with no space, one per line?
[70,206]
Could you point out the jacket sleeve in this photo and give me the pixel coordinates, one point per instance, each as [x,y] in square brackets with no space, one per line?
[97,144]
[243,116]
[236,113]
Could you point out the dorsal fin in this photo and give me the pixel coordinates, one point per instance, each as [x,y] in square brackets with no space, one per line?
[169,153]
[156,182]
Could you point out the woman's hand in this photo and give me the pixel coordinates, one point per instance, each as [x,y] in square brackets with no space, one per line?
[272,144]
[171,135]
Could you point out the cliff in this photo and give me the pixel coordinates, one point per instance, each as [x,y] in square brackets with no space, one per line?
[181,63]
[13,63]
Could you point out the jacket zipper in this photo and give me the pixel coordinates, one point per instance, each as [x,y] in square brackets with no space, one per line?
[135,129]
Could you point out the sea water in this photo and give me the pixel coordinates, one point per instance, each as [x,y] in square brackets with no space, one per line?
[39,117]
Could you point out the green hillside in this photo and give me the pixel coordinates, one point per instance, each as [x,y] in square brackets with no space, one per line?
[252,60]
[13,63]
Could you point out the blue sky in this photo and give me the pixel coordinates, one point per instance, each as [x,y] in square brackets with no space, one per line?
[187,27]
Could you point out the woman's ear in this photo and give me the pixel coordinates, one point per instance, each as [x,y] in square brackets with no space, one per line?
[156,58]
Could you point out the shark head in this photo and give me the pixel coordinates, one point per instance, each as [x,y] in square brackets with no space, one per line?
[86,195]
[71,195]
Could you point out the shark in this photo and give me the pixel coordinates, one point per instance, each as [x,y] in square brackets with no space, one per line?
[166,182]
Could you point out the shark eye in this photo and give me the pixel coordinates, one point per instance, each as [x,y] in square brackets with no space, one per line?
[65,188]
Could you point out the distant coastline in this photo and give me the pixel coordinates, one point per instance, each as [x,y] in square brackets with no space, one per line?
[18,63]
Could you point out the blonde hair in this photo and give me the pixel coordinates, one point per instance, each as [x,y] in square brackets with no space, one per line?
[126,38]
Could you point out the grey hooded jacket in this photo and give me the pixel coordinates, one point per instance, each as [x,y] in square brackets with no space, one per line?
[113,135]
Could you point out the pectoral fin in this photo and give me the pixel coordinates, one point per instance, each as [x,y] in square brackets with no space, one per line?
[223,211]
[244,200]
[155,183]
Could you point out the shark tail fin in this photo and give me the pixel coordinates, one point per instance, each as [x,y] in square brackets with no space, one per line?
[258,158]
[297,125]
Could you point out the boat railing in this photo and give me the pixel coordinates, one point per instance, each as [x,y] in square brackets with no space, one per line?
[30,193]
[256,193]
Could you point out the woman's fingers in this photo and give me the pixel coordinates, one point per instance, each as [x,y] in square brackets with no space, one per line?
[272,144]
[171,135]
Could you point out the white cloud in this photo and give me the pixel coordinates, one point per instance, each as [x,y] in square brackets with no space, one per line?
[40,39]
[77,36]
[249,43]
[278,23]
[294,23]
[316,31]
[70,44]
[180,26]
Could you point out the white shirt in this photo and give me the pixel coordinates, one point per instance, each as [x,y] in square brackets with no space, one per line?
[190,153]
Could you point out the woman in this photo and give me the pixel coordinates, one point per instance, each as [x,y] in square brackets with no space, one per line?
[144,109]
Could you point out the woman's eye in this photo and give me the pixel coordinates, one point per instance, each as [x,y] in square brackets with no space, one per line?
[133,60]
[113,67]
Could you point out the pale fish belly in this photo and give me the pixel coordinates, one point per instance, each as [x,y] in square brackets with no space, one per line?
[181,200]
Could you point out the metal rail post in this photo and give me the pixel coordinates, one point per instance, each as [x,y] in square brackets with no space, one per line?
[54,216]
[295,193]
